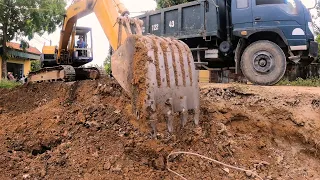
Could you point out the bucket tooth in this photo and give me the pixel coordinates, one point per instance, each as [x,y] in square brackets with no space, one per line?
[184,112]
[169,114]
[152,116]
[196,116]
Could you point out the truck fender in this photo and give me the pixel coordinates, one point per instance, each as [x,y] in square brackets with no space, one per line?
[251,32]
[238,52]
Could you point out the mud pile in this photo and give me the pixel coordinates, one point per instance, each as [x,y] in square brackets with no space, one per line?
[84,130]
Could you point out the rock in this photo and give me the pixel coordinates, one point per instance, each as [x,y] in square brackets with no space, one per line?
[26,176]
[269,178]
[108,90]
[117,111]
[159,163]
[144,161]
[261,145]
[205,91]
[93,124]
[43,173]
[226,170]
[279,159]
[197,131]
[96,154]
[113,159]
[81,117]
[249,173]
[222,128]
[298,122]
[118,168]
[107,165]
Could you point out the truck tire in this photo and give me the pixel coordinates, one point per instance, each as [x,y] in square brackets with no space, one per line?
[263,63]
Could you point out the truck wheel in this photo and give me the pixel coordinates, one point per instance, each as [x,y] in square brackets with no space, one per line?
[263,63]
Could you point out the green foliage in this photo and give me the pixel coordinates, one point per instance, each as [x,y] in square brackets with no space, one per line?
[8,84]
[24,18]
[35,65]
[318,40]
[168,3]
[107,64]
[312,82]
[316,18]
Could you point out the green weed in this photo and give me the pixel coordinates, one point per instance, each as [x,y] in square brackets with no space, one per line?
[8,84]
[312,82]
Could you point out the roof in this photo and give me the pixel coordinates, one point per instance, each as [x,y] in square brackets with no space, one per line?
[16,46]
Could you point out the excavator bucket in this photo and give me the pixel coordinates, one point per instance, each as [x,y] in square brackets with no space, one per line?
[159,75]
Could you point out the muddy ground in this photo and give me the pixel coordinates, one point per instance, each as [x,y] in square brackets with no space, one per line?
[84,130]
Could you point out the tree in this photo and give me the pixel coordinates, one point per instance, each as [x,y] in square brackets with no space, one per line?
[168,3]
[24,18]
[316,18]
[107,64]
[35,65]
[318,40]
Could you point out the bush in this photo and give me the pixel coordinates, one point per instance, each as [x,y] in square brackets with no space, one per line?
[35,65]
[169,3]
[8,84]
[312,82]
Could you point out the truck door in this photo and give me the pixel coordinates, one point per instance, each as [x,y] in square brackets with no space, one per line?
[241,14]
[285,15]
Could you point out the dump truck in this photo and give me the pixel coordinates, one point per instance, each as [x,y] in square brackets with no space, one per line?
[157,73]
[256,38]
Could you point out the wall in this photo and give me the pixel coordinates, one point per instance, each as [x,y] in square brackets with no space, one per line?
[26,65]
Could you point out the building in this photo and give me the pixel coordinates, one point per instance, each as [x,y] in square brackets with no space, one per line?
[19,62]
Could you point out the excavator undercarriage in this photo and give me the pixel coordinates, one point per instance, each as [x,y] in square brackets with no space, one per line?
[65,73]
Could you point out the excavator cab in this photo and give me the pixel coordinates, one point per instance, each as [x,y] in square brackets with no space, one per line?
[83,52]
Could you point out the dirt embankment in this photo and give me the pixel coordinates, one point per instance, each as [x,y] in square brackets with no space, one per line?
[84,130]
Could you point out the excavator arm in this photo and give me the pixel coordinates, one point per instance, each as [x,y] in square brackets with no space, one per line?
[157,73]
[107,12]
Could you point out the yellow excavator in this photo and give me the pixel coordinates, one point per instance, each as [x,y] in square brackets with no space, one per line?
[157,73]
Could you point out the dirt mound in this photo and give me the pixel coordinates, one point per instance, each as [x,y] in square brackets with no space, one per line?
[84,130]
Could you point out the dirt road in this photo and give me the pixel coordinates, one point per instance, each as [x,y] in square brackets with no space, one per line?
[84,130]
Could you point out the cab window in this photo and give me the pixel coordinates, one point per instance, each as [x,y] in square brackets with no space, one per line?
[241,4]
[263,2]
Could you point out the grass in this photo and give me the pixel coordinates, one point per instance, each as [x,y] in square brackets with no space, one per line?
[8,84]
[311,82]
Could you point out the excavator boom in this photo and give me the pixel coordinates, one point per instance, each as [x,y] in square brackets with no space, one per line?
[157,73]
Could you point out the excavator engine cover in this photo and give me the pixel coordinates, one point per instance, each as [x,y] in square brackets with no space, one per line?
[159,75]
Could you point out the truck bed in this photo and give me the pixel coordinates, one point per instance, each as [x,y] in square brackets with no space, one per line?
[197,19]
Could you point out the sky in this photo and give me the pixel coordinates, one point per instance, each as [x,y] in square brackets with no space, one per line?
[100,41]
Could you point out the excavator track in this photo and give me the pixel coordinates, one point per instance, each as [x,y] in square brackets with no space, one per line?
[88,73]
[56,73]
[65,73]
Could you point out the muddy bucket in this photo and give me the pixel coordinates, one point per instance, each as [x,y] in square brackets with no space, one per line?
[159,75]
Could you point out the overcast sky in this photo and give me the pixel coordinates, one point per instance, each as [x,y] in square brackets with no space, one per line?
[100,41]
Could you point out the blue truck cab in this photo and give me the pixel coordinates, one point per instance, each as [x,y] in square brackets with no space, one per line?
[259,39]
[280,23]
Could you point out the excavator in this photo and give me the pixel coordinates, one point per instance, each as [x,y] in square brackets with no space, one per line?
[157,73]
